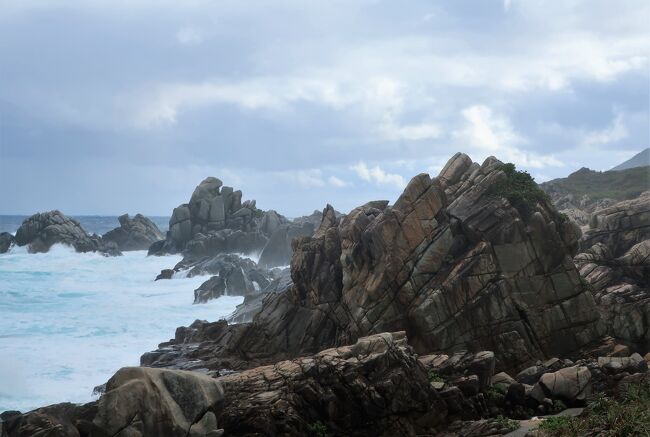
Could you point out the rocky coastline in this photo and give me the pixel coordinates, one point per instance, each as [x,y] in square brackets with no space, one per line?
[471,303]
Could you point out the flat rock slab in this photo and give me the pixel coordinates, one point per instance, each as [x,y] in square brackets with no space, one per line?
[525,426]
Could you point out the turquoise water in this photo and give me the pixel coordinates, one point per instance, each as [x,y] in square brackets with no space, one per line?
[68,321]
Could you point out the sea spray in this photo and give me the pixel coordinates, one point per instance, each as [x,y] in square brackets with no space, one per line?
[68,321]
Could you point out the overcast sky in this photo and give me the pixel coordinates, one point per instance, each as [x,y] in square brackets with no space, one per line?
[121,106]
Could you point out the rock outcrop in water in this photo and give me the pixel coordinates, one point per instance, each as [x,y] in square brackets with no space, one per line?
[137,233]
[43,230]
[216,221]
[6,241]
[211,209]
[452,262]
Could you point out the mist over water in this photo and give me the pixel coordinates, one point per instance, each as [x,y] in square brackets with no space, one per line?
[68,321]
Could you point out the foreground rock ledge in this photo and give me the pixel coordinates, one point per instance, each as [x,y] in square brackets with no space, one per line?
[377,386]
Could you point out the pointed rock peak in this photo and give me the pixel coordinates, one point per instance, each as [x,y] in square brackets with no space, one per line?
[329,220]
[454,169]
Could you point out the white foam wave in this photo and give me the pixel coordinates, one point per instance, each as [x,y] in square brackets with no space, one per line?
[68,321]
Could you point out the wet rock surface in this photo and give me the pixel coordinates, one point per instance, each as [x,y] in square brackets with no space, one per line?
[137,233]
[41,231]
[6,241]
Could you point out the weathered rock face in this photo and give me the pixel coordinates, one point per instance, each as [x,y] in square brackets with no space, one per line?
[137,402]
[43,230]
[620,226]
[374,387]
[6,241]
[615,262]
[451,263]
[137,233]
[211,208]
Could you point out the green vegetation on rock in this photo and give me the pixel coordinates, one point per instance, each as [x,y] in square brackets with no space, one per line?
[505,424]
[520,189]
[617,185]
[626,415]
[318,429]
[435,377]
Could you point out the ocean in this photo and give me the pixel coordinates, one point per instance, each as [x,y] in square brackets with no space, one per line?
[93,224]
[68,321]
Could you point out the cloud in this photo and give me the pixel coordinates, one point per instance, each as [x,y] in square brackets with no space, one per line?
[189,36]
[307,178]
[493,134]
[336,182]
[611,134]
[377,175]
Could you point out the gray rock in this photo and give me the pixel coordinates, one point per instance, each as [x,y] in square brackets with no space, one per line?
[137,233]
[41,231]
[6,241]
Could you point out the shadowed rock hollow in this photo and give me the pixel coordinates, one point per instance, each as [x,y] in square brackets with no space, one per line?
[452,263]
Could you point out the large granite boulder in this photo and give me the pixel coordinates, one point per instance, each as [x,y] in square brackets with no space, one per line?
[43,230]
[6,241]
[453,262]
[137,233]
[137,402]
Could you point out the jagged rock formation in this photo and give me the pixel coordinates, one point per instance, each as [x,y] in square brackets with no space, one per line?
[137,402]
[211,208]
[216,222]
[234,276]
[615,262]
[451,262]
[137,233]
[43,230]
[6,241]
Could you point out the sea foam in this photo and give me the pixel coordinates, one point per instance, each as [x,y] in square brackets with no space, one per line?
[68,321]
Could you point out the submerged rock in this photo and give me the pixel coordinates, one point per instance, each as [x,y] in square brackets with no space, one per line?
[137,233]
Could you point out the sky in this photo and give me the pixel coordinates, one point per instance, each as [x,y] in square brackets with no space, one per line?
[114,106]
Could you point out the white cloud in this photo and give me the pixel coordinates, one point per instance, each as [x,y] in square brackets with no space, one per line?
[189,36]
[611,134]
[414,132]
[378,175]
[493,134]
[336,182]
[506,5]
[307,178]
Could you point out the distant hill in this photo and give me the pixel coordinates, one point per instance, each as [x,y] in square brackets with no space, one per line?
[612,184]
[641,159]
